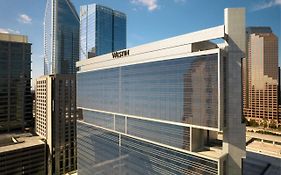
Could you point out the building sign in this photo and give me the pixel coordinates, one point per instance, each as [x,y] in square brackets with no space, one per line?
[121,54]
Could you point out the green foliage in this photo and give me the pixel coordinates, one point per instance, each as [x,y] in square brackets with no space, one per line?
[264,123]
[252,123]
[272,124]
[268,132]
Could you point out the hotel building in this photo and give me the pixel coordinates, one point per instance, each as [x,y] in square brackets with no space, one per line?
[56,120]
[102,30]
[158,108]
[260,83]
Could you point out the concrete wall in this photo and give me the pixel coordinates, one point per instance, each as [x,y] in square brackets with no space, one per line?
[234,131]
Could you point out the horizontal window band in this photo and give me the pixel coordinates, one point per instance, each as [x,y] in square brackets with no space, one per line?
[152,119]
[152,142]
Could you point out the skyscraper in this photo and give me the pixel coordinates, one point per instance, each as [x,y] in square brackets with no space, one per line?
[159,108]
[61,37]
[15,89]
[56,120]
[102,30]
[261,76]
[55,92]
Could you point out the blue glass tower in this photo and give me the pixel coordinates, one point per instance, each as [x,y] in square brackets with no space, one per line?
[61,37]
[102,30]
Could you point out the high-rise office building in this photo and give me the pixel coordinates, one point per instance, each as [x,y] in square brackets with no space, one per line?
[61,37]
[168,107]
[261,76]
[55,92]
[102,30]
[22,154]
[56,120]
[15,89]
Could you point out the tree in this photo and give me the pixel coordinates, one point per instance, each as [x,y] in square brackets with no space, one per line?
[252,123]
[272,124]
[264,123]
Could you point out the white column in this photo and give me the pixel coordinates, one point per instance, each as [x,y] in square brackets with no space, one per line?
[234,131]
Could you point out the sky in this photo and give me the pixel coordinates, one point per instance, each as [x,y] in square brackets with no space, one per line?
[147,20]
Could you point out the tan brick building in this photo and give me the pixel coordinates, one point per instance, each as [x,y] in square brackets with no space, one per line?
[56,120]
[260,76]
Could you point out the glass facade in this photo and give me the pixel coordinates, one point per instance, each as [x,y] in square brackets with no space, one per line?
[15,88]
[61,33]
[134,116]
[183,90]
[104,152]
[119,30]
[168,134]
[48,38]
[102,30]
[87,31]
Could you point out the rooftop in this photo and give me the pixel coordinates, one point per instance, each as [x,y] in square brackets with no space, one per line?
[213,152]
[256,163]
[269,149]
[10,142]
[264,136]
[13,38]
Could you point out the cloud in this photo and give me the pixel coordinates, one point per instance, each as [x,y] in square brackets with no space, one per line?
[24,18]
[150,4]
[137,37]
[267,4]
[9,31]
[180,1]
